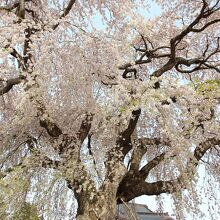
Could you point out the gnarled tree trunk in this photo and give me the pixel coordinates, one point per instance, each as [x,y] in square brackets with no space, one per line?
[102,206]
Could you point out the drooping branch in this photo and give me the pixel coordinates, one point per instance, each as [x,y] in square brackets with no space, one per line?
[36,158]
[4,173]
[28,66]
[10,8]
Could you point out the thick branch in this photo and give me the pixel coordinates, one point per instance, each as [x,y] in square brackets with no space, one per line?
[45,120]
[124,140]
[141,149]
[84,128]
[9,84]
[52,129]
[134,184]
[70,145]
[68,8]
[136,157]
[151,164]
[21,9]
[204,13]
[65,12]
[200,150]
[198,63]
[16,55]
[205,26]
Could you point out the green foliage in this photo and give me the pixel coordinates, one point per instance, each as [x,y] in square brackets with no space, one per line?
[3,213]
[14,187]
[209,86]
[127,106]
[27,212]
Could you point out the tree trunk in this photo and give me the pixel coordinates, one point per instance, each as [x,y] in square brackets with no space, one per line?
[102,207]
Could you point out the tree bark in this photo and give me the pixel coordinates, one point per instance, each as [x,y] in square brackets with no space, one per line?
[102,207]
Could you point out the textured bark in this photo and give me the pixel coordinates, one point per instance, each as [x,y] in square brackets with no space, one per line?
[101,207]
[99,204]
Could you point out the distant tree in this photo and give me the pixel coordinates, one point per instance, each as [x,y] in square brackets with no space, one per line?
[109,111]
